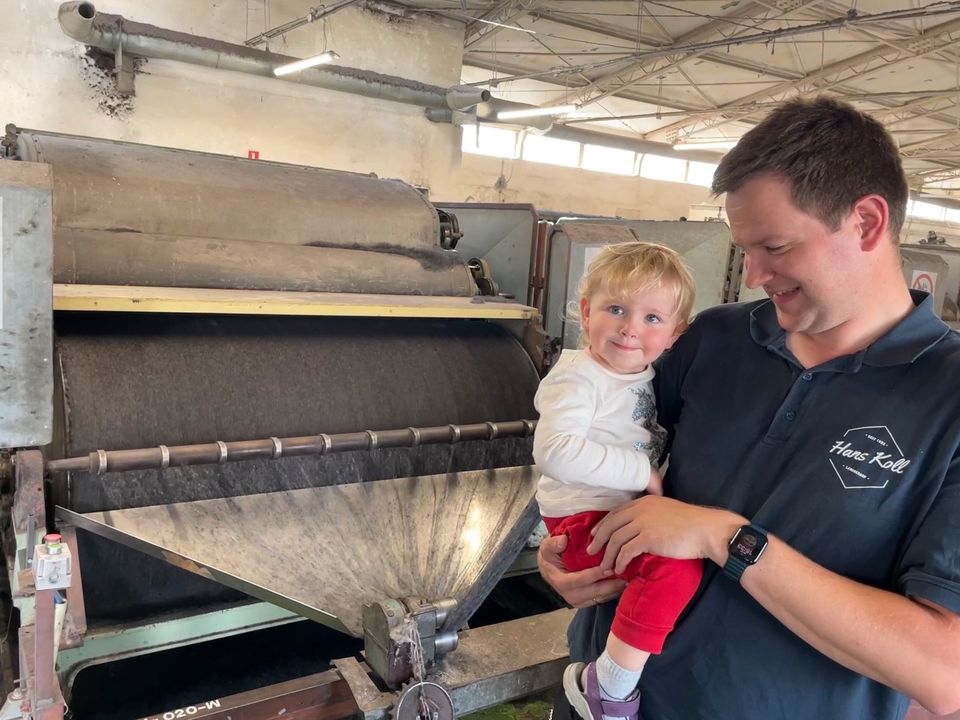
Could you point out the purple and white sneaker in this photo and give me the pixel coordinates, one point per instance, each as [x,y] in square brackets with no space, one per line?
[589,702]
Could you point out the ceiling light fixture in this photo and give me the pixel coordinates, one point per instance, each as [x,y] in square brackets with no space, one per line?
[536,112]
[714,145]
[298,65]
[508,27]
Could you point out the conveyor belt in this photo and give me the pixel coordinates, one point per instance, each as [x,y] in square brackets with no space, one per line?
[136,381]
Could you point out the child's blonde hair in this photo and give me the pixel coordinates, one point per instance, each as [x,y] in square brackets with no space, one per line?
[626,268]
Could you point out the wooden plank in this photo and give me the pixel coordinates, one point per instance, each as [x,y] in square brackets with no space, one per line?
[119,298]
[30,175]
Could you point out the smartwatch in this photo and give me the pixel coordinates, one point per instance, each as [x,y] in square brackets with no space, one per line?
[745,549]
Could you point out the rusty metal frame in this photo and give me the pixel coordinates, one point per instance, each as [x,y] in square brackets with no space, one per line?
[324,696]
[28,489]
[75,622]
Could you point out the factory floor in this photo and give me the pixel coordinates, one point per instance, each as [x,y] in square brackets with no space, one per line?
[536,708]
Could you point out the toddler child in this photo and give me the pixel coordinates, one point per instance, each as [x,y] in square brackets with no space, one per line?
[597,445]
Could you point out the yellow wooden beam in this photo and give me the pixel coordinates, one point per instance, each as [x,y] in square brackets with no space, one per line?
[121,298]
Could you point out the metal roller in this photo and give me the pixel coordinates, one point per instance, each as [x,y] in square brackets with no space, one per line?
[130,214]
[101,257]
[163,456]
[131,382]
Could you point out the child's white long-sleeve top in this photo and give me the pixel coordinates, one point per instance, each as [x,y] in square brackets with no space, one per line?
[595,437]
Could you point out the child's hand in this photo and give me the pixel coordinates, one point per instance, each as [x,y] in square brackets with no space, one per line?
[655,484]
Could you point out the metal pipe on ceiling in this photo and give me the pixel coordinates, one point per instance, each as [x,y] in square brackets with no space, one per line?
[113,33]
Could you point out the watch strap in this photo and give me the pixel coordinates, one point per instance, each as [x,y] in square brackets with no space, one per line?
[734,568]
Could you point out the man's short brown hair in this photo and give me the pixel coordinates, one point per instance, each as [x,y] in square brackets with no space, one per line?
[831,154]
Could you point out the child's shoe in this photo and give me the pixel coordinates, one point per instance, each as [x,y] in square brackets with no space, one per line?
[589,702]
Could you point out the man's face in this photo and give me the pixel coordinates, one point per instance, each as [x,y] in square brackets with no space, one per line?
[813,275]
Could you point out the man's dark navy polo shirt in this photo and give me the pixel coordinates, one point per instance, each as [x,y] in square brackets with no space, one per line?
[853,463]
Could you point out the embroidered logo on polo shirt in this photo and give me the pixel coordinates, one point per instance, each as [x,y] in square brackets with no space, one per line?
[867,457]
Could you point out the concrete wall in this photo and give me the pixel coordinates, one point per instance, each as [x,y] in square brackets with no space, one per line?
[52,85]
[49,85]
[553,187]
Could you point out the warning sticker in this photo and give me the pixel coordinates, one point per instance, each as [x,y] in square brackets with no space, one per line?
[924,280]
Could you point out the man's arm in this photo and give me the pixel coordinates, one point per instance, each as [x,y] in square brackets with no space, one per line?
[910,645]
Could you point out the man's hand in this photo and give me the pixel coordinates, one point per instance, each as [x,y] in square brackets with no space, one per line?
[666,527]
[579,589]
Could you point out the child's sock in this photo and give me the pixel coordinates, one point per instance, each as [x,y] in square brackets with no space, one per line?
[616,683]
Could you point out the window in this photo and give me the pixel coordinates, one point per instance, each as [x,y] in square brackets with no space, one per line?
[699,173]
[660,167]
[538,148]
[953,216]
[486,140]
[925,210]
[608,160]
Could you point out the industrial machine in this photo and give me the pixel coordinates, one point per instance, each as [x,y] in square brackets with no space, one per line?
[714,262]
[242,396]
[247,393]
[540,256]
[934,268]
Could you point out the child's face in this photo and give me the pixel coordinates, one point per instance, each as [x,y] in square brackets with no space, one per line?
[628,333]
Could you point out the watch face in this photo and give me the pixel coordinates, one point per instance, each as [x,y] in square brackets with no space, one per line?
[747,545]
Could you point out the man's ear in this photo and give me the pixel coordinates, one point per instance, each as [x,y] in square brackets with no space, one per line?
[871,215]
[585,314]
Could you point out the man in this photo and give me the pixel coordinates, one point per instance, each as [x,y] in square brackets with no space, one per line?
[820,431]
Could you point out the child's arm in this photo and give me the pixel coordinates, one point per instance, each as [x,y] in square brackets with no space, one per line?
[562,451]
[655,483]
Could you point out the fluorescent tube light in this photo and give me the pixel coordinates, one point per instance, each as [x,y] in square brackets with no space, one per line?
[718,145]
[508,27]
[297,66]
[536,112]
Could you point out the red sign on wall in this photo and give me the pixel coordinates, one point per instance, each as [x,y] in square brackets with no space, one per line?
[253,154]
